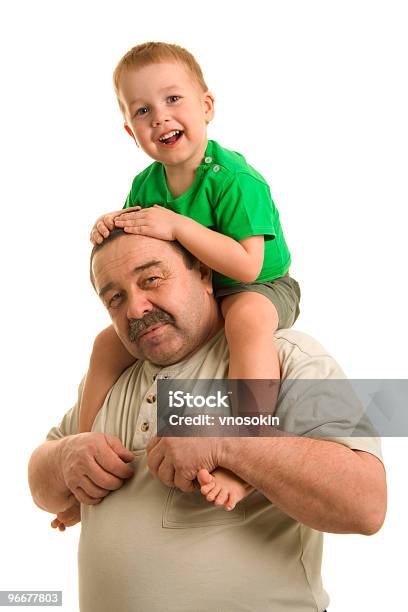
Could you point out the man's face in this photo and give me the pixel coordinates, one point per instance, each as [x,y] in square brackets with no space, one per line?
[166,112]
[161,310]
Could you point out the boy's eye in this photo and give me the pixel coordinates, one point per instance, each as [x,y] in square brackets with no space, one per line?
[141,111]
[173,99]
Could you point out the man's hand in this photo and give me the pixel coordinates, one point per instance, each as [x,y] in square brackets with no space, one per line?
[156,222]
[105,224]
[176,461]
[68,518]
[93,465]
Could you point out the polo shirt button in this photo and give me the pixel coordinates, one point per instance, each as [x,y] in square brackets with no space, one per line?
[151,398]
[144,426]
[208,160]
[216,168]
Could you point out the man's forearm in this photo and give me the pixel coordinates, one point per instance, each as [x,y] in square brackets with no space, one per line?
[45,478]
[322,484]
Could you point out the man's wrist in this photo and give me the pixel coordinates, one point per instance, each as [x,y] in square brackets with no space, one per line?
[56,466]
[58,461]
[227,450]
[46,479]
[235,452]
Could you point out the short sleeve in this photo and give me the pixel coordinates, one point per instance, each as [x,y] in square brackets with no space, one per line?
[245,208]
[316,399]
[70,421]
[327,409]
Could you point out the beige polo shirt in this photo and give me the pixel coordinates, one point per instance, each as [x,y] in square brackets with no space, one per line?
[150,548]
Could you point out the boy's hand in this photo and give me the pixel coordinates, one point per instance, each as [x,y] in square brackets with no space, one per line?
[156,222]
[105,224]
[69,517]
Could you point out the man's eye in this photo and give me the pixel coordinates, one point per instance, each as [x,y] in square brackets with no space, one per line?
[115,300]
[173,99]
[141,111]
[151,281]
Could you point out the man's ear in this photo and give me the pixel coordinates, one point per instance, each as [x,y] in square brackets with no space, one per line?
[130,132]
[209,102]
[206,276]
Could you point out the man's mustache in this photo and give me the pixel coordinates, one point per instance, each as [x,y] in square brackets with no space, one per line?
[138,326]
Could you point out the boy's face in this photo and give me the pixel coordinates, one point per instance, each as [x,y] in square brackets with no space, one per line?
[167,113]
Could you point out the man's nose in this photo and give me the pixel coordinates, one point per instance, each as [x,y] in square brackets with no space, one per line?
[138,305]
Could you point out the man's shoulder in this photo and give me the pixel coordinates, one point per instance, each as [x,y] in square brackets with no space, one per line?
[302,356]
[302,341]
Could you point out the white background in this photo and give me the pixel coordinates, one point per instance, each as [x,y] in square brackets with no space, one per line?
[314,94]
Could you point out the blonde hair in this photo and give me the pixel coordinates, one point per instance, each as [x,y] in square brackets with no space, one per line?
[154,53]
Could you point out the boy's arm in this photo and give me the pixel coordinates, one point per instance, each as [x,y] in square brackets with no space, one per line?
[241,260]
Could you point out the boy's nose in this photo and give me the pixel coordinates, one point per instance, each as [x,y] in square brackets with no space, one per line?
[158,118]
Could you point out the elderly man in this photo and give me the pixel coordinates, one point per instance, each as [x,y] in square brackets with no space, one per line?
[149,546]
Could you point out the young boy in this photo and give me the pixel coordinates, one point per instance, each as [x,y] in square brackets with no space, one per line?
[217,206]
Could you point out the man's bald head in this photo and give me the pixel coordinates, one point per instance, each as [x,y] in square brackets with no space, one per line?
[189,259]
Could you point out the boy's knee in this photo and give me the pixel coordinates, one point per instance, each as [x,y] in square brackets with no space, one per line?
[250,309]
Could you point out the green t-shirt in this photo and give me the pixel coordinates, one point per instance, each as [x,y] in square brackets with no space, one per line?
[228,196]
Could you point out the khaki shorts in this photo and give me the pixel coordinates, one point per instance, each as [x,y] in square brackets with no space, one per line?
[283,292]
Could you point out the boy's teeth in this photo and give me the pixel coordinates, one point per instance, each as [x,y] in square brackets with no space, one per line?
[169,135]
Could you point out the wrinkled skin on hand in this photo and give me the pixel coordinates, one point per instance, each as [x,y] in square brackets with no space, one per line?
[176,461]
[93,465]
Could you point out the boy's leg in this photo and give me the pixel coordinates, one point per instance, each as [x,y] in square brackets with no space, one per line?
[108,360]
[223,487]
[250,323]
[68,518]
[251,320]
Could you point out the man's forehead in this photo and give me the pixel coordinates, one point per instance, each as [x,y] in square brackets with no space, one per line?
[123,255]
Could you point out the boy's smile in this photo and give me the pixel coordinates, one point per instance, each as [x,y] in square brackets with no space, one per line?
[170,138]
[167,113]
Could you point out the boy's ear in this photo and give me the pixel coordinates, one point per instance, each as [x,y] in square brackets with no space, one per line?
[130,132]
[209,102]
